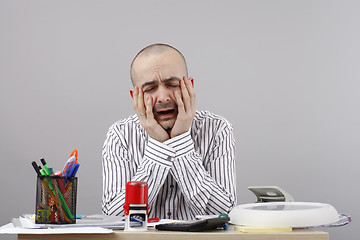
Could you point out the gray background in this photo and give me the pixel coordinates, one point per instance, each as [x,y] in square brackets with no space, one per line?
[285,73]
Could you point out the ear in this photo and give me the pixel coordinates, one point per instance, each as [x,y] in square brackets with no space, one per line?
[132,93]
[192,81]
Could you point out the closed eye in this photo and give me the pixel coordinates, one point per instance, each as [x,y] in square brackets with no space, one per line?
[150,89]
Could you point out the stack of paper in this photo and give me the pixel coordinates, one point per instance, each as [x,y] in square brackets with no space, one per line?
[90,224]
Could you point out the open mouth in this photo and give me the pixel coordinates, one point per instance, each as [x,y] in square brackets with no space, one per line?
[165,114]
[170,111]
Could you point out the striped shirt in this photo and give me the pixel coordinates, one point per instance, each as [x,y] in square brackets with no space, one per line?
[188,175]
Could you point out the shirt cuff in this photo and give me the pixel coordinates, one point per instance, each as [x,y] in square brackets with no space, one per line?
[181,144]
[159,152]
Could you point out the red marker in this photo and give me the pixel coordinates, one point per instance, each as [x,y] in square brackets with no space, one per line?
[152,220]
[62,186]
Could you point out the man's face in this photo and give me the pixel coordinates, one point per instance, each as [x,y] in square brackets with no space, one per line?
[158,75]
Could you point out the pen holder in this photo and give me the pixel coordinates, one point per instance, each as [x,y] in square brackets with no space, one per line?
[56,200]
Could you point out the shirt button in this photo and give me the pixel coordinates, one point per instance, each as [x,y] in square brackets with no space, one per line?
[172,186]
[169,158]
[169,214]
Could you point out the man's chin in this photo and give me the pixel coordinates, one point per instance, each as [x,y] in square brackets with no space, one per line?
[167,125]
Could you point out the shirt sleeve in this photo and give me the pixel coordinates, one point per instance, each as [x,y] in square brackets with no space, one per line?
[119,168]
[209,189]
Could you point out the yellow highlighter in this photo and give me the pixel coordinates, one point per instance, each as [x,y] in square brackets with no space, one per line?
[250,229]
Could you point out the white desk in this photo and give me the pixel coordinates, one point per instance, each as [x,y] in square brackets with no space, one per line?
[153,234]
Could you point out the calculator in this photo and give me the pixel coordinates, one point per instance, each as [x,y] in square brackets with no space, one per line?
[197,226]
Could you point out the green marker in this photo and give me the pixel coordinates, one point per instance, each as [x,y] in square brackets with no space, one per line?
[42,171]
[45,166]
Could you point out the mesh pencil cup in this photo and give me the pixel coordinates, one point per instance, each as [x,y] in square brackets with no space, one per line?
[56,200]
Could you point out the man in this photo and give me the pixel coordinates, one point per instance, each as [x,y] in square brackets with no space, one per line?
[185,156]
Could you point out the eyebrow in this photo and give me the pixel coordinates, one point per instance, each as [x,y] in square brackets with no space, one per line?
[148,83]
[165,81]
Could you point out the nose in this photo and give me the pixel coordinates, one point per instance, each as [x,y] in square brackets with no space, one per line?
[163,95]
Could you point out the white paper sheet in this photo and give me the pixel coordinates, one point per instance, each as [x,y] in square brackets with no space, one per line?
[97,220]
[10,229]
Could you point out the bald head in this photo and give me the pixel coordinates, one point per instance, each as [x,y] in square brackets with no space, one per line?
[154,54]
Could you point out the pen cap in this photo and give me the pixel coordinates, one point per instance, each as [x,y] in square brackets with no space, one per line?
[136,193]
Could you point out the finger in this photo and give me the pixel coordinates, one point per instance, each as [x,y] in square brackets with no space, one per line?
[191,90]
[189,83]
[179,102]
[149,108]
[139,106]
[185,94]
[140,103]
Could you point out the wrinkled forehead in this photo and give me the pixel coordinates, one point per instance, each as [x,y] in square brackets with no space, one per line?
[158,66]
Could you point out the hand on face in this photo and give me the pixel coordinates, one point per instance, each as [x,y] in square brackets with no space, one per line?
[144,111]
[185,100]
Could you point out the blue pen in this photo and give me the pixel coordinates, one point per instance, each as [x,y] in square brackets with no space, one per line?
[74,170]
